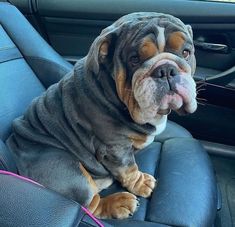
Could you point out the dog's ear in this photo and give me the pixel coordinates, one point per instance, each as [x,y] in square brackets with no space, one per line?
[193,59]
[190,30]
[107,49]
[102,48]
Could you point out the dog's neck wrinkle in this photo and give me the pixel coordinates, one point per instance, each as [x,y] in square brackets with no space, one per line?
[110,100]
[104,92]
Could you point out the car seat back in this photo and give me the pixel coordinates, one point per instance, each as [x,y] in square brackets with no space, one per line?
[28,65]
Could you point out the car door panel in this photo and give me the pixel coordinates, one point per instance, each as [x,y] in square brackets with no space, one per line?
[73,37]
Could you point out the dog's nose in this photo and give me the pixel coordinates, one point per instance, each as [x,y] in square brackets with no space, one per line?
[166,70]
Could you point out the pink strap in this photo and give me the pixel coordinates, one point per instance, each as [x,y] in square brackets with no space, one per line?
[19,177]
[92,217]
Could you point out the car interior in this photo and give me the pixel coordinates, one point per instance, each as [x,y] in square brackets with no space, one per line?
[193,159]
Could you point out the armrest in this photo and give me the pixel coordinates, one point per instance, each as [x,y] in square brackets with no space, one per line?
[26,203]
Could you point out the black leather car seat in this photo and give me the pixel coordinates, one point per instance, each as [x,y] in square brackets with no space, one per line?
[186,194]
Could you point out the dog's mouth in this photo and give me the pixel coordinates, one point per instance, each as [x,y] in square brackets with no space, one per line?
[180,88]
[166,85]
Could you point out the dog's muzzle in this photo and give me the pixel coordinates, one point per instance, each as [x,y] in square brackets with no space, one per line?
[165,83]
[166,70]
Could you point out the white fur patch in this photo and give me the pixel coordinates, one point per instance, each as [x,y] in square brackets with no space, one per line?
[160,123]
[161,39]
[103,183]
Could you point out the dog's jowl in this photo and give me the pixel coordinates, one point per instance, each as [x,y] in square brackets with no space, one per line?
[82,133]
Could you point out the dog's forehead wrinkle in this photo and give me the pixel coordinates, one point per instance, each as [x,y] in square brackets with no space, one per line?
[159,19]
[151,29]
[136,26]
[173,29]
[138,31]
[130,36]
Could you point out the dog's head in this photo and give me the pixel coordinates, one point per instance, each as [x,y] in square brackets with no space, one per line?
[151,58]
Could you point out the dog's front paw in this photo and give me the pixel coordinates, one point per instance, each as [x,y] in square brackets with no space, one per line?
[143,186]
[119,205]
[138,183]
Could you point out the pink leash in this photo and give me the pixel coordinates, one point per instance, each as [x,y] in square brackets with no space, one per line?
[92,217]
[20,177]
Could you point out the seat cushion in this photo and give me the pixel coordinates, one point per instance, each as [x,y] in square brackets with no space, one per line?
[186,194]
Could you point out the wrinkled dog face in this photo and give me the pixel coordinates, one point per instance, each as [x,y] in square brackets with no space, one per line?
[152,60]
[162,74]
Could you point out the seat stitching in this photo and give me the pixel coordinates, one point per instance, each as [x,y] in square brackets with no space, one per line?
[156,176]
[12,59]
[3,162]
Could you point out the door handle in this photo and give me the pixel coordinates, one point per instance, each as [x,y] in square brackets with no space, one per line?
[215,47]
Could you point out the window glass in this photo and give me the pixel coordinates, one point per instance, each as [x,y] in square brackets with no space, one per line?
[231,1]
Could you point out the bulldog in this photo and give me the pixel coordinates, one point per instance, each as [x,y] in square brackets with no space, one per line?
[82,133]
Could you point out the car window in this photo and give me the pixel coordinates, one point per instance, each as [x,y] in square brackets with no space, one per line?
[229,1]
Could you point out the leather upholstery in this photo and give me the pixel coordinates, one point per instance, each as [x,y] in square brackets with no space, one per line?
[172,130]
[6,159]
[48,65]
[14,83]
[34,205]
[33,65]
[186,194]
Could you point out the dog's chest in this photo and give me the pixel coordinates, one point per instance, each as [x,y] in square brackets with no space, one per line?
[140,141]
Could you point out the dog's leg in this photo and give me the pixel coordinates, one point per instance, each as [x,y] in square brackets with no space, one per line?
[119,205]
[65,175]
[135,181]
[60,171]
[120,161]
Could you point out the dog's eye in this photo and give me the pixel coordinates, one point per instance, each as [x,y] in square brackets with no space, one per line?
[186,53]
[134,60]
